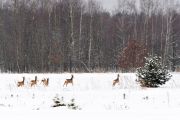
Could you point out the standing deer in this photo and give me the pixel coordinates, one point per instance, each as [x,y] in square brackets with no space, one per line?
[34,82]
[67,81]
[45,81]
[116,80]
[21,83]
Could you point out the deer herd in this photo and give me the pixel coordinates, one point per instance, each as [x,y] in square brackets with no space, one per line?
[45,81]
[34,82]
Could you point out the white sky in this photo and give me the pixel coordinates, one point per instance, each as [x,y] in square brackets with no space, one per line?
[109,4]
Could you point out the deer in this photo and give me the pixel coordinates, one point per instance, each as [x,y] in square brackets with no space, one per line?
[34,82]
[21,83]
[45,81]
[116,80]
[67,81]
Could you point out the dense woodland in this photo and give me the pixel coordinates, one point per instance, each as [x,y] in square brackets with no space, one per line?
[81,36]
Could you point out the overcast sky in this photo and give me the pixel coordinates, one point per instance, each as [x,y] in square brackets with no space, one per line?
[112,4]
[109,4]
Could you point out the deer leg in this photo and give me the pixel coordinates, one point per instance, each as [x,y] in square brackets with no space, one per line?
[113,84]
[64,83]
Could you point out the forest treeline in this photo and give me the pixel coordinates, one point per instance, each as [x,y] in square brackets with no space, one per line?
[81,36]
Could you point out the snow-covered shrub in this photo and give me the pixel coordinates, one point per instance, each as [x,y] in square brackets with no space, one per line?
[58,102]
[73,106]
[153,74]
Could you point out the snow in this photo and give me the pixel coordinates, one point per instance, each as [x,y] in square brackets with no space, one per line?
[172,114]
[93,93]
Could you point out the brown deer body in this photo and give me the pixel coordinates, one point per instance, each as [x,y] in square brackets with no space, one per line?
[116,80]
[67,81]
[45,82]
[34,82]
[21,83]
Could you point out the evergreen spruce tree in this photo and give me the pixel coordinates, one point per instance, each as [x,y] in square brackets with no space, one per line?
[153,74]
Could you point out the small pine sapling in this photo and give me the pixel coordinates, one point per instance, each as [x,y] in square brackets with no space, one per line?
[58,102]
[73,106]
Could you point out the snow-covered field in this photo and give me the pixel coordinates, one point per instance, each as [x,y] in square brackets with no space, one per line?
[93,94]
